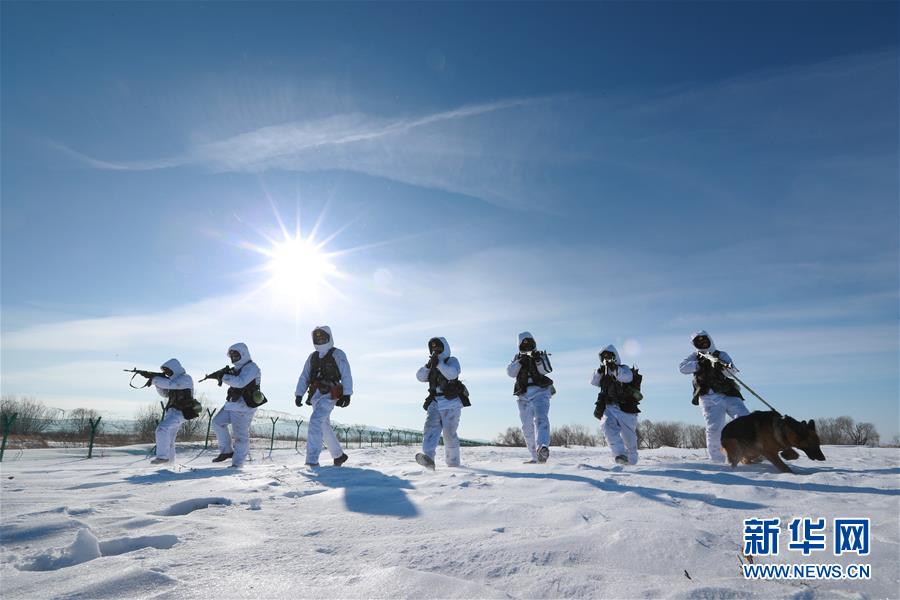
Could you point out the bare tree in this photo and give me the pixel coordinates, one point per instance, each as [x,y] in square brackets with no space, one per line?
[694,436]
[864,434]
[511,437]
[145,422]
[32,417]
[656,435]
[78,421]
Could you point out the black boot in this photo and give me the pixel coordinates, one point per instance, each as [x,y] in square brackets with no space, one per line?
[223,457]
[425,460]
[341,459]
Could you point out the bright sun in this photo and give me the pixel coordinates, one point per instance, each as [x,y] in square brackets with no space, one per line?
[297,265]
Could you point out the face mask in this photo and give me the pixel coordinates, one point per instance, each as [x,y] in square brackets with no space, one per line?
[167,371]
[607,357]
[320,336]
[435,346]
[235,356]
[527,345]
[701,343]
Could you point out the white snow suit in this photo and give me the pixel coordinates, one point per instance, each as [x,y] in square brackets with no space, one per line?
[716,406]
[443,414]
[619,427]
[320,422]
[236,413]
[534,404]
[173,417]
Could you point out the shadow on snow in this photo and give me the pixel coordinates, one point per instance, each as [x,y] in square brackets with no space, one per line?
[368,491]
[733,479]
[655,494]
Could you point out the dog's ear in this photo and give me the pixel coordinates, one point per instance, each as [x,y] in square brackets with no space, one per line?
[812,424]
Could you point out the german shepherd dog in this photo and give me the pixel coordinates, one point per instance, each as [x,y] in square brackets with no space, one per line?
[768,434]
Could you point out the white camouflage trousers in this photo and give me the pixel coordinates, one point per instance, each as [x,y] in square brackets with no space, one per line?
[620,429]
[240,421]
[444,422]
[535,415]
[715,408]
[166,432]
[320,430]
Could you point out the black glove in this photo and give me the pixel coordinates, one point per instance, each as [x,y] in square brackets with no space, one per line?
[599,409]
[298,400]
[344,401]
[432,361]
[309,400]
[426,403]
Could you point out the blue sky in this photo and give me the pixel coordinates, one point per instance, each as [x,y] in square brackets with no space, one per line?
[592,172]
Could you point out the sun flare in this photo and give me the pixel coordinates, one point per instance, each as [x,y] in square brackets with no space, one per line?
[296,265]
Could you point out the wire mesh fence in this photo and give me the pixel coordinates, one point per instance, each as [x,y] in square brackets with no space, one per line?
[29,425]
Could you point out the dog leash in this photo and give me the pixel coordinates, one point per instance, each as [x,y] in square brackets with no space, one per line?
[732,370]
[747,387]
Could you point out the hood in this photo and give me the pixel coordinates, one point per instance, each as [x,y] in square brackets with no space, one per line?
[324,348]
[612,349]
[446,353]
[175,366]
[712,344]
[524,336]
[241,347]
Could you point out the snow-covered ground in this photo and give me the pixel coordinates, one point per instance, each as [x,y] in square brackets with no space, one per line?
[383,527]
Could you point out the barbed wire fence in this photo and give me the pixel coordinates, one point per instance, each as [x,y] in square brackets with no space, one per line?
[28,424]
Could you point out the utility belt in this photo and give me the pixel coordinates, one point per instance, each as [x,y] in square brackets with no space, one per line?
[451,390]
[183,400]
[250,394]
[335,389]
[719,385]
[625,404]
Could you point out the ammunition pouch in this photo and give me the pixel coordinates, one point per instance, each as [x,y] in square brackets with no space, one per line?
[184,401]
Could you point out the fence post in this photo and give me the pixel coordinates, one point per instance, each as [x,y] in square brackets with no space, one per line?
[94,425]
[7,425]
[272,441]
[299,422]
[208,425]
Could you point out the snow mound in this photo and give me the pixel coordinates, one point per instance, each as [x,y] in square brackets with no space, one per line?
[85,547]
[186,507]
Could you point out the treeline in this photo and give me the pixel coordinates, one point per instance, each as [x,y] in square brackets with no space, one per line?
[34,418]
[650,434]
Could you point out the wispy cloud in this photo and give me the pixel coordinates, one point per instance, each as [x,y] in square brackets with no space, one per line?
[520,152]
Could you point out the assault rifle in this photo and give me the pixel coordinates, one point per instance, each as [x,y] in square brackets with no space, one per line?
[218,375]
[538,356]
[148,374]
[717,361]
[734,370]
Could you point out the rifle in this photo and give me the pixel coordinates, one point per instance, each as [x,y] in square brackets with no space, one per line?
[734,370]
[218,375]
[537,356]
[148,374]
[716,361]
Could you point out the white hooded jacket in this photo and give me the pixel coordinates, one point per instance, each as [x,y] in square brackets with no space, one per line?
[513,368]
[448,367]
[179,380]
[690,364]
[624,373]
[248,372]
[339,357]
